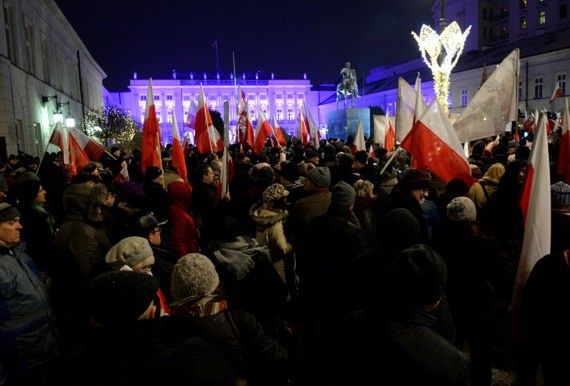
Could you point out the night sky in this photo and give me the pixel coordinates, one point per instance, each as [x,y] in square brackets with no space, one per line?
[288,37]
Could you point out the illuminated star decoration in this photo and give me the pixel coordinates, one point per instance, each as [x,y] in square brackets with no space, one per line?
[441,53]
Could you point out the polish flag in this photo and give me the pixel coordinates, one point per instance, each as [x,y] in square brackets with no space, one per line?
[151,134]
[60,139]
[178,160]
[390,136]
[529,122]
[409,107]
[359,141]
[191,120]
[303,128]
[264,131]
[77,157]
[245,127]
[556,93]
[279,133]
[434,145]
[207,138]
[535,205]
[313,129]
[93,149]
[563,163]
[74,158]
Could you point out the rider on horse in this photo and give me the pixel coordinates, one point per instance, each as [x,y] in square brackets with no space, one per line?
[348,86]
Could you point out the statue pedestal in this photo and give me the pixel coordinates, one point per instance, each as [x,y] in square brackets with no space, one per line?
[344,122]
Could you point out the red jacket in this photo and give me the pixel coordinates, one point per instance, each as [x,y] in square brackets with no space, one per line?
[183,231]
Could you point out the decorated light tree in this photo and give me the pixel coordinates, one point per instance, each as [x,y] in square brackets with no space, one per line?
[110,125]
[441,53]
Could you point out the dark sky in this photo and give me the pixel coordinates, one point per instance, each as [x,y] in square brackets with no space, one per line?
[288,37]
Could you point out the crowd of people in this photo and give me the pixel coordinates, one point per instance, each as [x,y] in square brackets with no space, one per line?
[315,269]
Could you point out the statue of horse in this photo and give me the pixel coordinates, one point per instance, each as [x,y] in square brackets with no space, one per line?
[347,88]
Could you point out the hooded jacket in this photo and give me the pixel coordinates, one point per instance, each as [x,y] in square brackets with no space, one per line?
[183,231]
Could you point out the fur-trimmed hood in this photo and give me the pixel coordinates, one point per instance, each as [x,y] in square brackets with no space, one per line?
[264,217]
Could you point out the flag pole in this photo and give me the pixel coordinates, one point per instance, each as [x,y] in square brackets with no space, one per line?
[390,160]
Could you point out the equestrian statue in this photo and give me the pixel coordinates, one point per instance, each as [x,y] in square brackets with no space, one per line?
[347,88]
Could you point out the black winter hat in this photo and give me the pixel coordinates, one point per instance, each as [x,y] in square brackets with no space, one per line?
[121,297]
[418,276]
[415,179]
[152,172]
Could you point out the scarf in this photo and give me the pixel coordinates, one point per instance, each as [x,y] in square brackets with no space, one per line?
[199,308]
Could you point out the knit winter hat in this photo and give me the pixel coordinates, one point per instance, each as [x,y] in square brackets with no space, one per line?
[415,179]
[274,193]
[342,195]
[461,209]
[121,297]
[195,276]
[320,176]
[8,212]
[26,191]
[560,193]
[418,276]
[129,251]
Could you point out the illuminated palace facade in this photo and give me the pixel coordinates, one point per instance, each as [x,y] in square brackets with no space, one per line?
[278,99]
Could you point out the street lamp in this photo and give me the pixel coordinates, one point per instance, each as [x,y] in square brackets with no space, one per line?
[70,123]
[47,98]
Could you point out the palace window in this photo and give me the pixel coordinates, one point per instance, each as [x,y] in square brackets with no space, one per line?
[523,23]
[542,18]
[538,87]
[561,79]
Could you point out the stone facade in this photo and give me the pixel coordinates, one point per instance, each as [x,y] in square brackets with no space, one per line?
[41,56]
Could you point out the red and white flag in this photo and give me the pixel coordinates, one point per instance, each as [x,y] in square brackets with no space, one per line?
[303,129]
[494,105]
[409,107]
[313,129]
[557,93]
[245,127]
[264,131]
[279,133]
[535,205]
[563,162]
[151,155]
[390,135]
[93,149]
[178,160]
[359,141]
[207,138]
[529,122]
[191,120]
[73,157]
[434,145]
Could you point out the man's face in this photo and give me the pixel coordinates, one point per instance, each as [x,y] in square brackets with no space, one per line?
[10,231]
[208,178]
[419,194]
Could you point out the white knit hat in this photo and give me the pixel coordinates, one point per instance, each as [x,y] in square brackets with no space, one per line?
[461,209]
[129,251]
[194,275]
